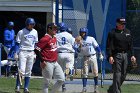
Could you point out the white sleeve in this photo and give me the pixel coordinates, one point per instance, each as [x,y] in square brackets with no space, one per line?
[36,38]
[94,42]
[73,41]
[18,37]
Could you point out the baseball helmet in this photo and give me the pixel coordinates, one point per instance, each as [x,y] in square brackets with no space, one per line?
[30,21]
[10,23]
[69,30]
[62,27]
[84,29]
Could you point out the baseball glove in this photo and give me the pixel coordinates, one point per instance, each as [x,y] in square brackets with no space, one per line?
[78,39]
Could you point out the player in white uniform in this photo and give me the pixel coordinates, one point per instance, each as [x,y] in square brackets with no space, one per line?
[26,39]
[65,42]
[87,50]
[71,69]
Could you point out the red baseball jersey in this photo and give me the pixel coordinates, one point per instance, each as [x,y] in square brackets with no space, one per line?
[48,47]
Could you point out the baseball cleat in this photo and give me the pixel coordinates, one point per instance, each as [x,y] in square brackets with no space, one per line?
[17,89]
[64,89]
[96,89]
[26,91]
[71,77]
[84,90]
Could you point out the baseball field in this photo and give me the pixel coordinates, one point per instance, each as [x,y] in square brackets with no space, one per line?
[7,85]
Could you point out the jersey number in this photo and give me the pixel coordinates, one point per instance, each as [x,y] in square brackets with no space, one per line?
[63,40]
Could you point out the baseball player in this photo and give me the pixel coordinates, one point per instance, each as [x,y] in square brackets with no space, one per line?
[87,50]
[9,42]
[46,50]
[69,30]
[71,69]
[26,39]
[65,42]
[11,56]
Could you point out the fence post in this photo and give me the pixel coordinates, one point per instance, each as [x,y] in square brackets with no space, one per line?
[57,12]
[0,58]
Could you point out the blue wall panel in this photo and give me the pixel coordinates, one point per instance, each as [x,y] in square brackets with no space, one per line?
[99,16]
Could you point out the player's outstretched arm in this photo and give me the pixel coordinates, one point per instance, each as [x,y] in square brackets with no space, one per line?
[38,53]
[100,53]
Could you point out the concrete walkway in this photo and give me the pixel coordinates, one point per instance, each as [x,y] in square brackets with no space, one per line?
[75,86]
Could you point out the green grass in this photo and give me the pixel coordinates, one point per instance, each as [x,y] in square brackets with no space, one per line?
[7,85]
[129,88]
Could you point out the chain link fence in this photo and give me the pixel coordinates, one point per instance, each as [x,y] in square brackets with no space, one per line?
[78,18]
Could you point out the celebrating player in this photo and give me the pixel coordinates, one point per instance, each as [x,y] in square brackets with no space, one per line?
[65,49]
[26,39]
[46,50]
[87,50]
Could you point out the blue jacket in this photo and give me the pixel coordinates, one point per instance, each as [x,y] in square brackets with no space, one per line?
[13,50]
[9,40]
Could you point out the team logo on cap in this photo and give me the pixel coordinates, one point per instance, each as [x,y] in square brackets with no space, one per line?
[122,19]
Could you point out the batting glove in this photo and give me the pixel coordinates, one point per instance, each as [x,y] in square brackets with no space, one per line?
[101,58]
[16,56]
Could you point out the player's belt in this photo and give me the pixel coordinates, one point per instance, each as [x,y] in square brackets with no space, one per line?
[65,52]
[27,50]
[120,51]
[90,55]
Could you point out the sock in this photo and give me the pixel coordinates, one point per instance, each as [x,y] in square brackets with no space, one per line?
[63,86]
[17,81]
[8,69]
[71,72]
[45,90]
[84,82]
[45,87]
[96,80]
[26,80]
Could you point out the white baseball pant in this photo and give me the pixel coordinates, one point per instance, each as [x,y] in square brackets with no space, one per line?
[26,60]
[66,60]
[91,60]
[52,69]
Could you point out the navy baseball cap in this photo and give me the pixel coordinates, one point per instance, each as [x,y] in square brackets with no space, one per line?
[121,20]
[51,25]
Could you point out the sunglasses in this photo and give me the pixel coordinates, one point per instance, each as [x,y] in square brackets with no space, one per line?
[32,24]
[122,23]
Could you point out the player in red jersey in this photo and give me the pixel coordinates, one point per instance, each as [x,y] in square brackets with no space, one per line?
[46,50]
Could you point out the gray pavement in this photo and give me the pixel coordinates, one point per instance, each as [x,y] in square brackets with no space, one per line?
[75,86]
